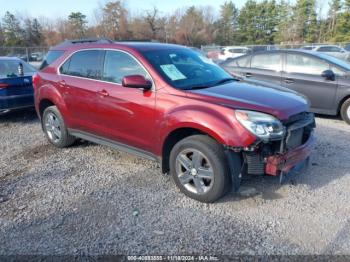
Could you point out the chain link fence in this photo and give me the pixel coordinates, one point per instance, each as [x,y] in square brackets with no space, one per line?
[32,55]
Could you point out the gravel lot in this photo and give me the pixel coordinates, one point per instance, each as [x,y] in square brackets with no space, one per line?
[90,199]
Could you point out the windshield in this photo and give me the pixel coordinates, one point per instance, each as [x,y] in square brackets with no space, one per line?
[9,68]
[185,69]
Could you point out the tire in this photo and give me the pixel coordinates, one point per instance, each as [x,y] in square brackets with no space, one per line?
[55,128]
[205,178]
[345,111]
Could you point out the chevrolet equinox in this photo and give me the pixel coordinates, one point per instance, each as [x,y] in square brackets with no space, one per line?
[173,105]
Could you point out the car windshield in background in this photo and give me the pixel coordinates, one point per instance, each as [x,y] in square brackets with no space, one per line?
[9,68]
[185,69]
[345,65]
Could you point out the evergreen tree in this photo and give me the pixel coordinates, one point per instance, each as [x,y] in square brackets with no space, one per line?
[227,24]
[306,20]
[77,22]
[12,31]
[342,27]
[334,9]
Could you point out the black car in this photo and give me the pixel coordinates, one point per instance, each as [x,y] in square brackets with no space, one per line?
[325,80]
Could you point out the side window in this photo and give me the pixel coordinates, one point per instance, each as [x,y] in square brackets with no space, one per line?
[119,64]
[65,67]
[50,57]
[267,61]
[324,49]
[334,49]
[239,62]
[302,64]
[87,64]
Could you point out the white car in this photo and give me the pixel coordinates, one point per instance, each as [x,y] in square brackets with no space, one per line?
[332,50]
[232,52]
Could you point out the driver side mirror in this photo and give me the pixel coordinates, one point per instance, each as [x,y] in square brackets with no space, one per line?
[136,81]
[328,75]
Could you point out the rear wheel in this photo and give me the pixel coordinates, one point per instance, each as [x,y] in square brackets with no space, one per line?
[55,129]
[199,168]
[345,111]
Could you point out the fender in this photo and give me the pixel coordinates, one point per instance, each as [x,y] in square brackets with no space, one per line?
[50,92]
[216,121]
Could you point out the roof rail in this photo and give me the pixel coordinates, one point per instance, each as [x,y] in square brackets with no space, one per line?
[86,41]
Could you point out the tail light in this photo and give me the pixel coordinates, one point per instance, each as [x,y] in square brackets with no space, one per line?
[35,80]
[3,85]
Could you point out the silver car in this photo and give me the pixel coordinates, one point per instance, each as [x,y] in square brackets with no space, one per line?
[332,50]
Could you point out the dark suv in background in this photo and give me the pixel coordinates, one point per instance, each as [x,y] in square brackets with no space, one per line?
[170,104]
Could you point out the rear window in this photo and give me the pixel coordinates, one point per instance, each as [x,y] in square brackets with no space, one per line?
[9,68]
[51,57]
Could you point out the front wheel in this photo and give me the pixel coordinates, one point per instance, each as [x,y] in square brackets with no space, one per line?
[199,168]
[55,128]
[345,111]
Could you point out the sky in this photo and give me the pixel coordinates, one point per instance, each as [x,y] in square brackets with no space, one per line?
[62,8]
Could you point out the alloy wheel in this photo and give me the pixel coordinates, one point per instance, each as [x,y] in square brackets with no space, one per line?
[53,127]
[194,170]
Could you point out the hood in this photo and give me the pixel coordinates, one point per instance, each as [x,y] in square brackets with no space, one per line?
[279,102]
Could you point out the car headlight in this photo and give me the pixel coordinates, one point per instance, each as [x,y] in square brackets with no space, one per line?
[264,126]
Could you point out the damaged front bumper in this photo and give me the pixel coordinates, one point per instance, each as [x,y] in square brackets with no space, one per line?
[283,155]
[284,163]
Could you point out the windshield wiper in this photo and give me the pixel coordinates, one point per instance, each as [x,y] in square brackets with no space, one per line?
[223,81]
[196,87]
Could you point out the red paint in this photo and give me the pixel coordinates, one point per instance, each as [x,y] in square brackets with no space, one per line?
[136,81]
[145,118]
[284,163]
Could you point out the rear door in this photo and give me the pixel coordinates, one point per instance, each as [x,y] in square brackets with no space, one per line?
[80,77]
[266,67]
[302,73]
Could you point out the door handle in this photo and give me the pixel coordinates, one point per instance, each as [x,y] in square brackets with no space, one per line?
[289,81]
[103,93]
[248,74]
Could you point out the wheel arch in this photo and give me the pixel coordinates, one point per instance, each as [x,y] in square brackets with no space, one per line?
[174,137]
[342,101]
[43,104]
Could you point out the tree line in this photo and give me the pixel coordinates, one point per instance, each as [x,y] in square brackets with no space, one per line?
[257,22]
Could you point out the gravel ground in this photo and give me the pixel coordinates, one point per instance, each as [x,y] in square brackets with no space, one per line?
[89,199]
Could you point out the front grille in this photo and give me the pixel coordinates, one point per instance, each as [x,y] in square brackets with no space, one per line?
[299,128]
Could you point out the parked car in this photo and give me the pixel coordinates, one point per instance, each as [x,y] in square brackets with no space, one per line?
[325,80]
[16,90]
[331,50]
[169,104]
[233,51]
[37,56]
[347,47]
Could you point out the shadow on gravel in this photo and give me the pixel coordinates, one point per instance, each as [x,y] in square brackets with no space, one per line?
[19,116]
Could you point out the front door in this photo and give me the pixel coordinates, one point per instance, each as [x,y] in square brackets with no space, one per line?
[127,115]
[303,74]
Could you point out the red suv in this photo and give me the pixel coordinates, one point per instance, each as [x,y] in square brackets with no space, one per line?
[173,105]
